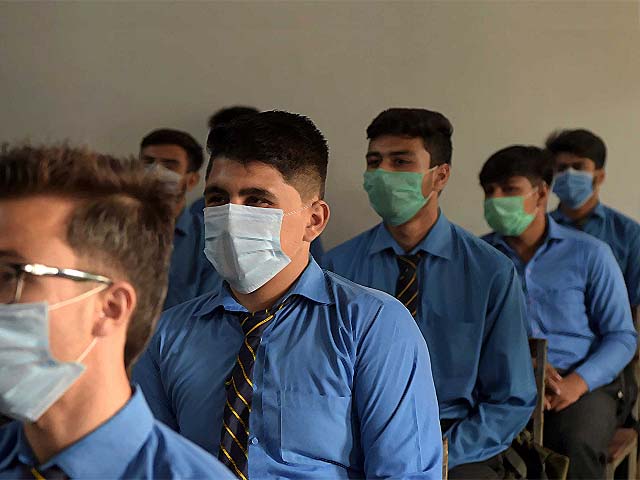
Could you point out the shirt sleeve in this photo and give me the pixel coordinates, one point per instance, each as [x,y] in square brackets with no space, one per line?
[610,319]
[632,272]
[146,374]
[395,398]
[505,387]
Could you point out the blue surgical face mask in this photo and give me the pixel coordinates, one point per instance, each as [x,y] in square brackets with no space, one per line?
[243,244]
[31,380]
[573,187]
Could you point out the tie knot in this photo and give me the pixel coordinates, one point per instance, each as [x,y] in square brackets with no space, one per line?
[409,261]
[256,322]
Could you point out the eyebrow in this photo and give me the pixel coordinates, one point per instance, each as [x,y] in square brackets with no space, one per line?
[393,153]
[245,192]
[160,159]
[11,254]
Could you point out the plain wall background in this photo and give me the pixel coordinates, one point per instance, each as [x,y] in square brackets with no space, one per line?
[503,72]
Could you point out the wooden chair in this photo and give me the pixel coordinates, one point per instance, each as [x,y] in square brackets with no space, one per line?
[624,445]
[538,348]
[445,458]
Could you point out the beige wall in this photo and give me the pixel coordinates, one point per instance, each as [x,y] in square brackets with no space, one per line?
[504,72]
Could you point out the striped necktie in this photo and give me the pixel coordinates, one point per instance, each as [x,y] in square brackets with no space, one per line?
[52,473]
[235,427]
[407,284]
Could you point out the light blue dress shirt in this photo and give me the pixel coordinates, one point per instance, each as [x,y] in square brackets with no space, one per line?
[622,234]
[131,444]
[577,300]
[342,382]
[471,313]
[190,273]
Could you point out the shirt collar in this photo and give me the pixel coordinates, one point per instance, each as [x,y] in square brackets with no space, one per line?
[554,232]
[312,285]
[114,443]
[438,241]
[598,212]
[182,222]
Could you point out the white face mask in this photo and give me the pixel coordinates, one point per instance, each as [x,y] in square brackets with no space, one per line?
[31,380]
[243,244]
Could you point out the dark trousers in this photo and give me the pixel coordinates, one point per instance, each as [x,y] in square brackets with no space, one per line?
[490,469]
[584,430]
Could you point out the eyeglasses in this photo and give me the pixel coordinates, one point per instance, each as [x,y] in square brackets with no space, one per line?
[12,277]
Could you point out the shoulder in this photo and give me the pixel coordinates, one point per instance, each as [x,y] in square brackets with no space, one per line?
[176,457]
[622,222]
[481,249]
[180,318]
[363,307]
[352,247]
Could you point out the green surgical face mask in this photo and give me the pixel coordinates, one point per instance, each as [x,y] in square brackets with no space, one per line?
[395,196]
[507,216]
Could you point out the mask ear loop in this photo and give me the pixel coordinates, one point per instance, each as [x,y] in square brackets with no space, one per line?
[79,298]
[293,212]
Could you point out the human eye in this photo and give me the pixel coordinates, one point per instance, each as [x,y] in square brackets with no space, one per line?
[256,201]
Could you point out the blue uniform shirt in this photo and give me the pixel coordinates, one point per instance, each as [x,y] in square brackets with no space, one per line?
[190,273]
[622,234]
[342,382]
[577,300]
[131,444]
[471,313]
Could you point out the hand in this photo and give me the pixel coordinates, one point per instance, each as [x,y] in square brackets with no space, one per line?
[552,380]
[572,387]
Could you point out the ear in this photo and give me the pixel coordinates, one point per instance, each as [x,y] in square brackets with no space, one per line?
[441,177]
[318,219]
[192,180]
[599,177]
[543,195]
[115,309]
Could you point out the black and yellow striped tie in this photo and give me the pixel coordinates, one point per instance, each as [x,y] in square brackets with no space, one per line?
[235,421]
[407,284]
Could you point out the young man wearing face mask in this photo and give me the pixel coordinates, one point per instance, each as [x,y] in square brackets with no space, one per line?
[576,300]
[226,115]
[579,160]
[179,156]
[84,250]
[465,296]
[288,371]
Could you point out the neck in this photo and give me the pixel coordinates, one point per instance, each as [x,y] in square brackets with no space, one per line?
[530,240]
[179,208]
[410,234]
[91,401]
[267,295]
[577,214]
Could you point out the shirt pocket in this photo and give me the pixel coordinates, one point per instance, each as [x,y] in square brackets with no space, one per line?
[562,310]
[315,428]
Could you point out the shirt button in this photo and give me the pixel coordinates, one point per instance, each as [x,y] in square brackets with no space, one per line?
[253,440]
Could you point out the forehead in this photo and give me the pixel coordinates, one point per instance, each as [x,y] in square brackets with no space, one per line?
[36,229]
[564,158]
[232,176]
[392,143]
[172,152]
[516,180]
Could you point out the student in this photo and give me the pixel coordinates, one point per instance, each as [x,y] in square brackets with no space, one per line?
[226,115]
[464,295]
[288,371]
[84,250]
[180,157]
[580,160]
[576,300]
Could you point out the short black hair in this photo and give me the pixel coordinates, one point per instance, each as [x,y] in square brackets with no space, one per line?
[289,142]
[169,136]
[229,114]
[527,161]
[433,127]
[581,143]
